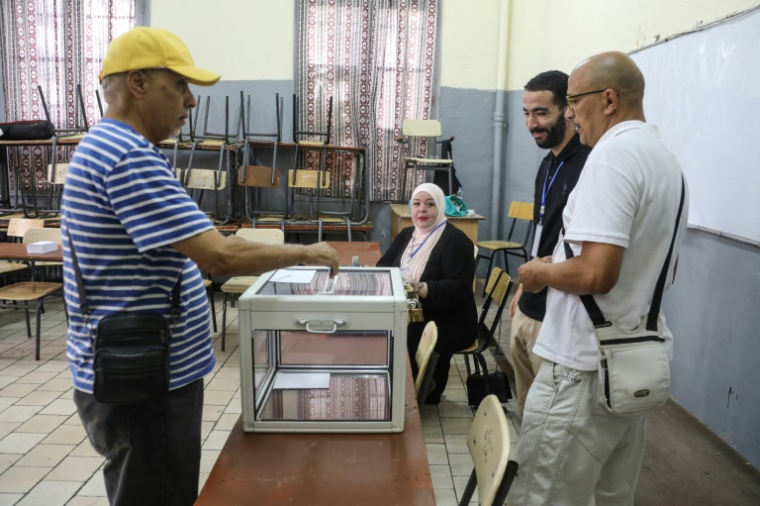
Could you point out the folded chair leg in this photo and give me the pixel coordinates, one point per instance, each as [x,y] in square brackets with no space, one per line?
[37,340]
[210,294]
[469,490]
[224,319]
[28,324]
[488,272]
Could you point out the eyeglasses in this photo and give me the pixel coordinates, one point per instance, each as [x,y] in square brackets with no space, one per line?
[571,99]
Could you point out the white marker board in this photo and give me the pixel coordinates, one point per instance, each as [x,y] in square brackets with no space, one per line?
[703,92]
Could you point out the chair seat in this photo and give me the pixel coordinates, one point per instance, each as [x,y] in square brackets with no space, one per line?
[436,161]
[497,245]
[48,264]
[311,144]
[28,290]
[6,267]
[212,142]
[269,219]
[238,284]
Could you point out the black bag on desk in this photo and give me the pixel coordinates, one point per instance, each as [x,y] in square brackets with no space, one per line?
[26,130]
[498,384]
[131,350]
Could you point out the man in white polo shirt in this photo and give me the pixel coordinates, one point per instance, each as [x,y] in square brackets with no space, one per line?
[619,222]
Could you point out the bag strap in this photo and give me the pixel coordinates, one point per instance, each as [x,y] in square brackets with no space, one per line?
[176,290]
[592,308]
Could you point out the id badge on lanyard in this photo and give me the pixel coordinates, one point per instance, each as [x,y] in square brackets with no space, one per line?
[536,241]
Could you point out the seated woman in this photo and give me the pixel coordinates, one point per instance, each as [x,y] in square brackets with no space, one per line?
[439,259]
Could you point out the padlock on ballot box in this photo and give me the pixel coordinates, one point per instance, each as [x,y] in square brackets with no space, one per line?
[415,311]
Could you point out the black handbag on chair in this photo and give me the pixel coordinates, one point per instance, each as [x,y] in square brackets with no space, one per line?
[131,350]
[498,384]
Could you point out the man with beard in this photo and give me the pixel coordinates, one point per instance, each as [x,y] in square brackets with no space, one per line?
[544,109]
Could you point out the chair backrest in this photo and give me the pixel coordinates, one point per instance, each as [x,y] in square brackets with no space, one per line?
[497,289]
[59,176]
[17,227]
[488,442]
[204,179]
[421,128]
[262,235]
[521,211]
[42,234]
[424,350]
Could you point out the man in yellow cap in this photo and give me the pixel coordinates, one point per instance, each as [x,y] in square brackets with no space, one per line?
[132,239]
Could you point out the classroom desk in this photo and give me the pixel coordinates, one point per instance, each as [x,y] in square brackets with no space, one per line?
[402,218]
[367,251]
[324,469]
[17,251]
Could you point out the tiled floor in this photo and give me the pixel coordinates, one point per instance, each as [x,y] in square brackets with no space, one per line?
[46,459]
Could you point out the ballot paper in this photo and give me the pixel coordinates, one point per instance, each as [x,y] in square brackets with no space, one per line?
[41,247]
[293,276]
[301,380]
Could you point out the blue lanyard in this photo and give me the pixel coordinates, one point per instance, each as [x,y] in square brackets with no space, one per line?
[411,255]
[546,191]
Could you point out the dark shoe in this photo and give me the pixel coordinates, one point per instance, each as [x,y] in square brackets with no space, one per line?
[433,397]
[433,400]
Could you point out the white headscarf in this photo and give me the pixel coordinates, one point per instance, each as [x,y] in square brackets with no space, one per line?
[418,250]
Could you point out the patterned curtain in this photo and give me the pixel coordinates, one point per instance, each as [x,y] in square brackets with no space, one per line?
[55,44]
[376,58]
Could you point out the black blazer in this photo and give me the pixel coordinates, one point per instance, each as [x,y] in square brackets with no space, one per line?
[449,274]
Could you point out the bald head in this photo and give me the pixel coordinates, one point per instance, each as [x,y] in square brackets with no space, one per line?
[617,71]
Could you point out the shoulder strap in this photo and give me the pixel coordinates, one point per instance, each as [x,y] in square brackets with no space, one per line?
[592,308]
[176,290]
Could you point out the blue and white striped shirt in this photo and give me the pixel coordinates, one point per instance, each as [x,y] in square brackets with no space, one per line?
[123,206]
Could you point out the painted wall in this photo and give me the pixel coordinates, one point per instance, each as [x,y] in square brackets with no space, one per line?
[241,39]
[546,34]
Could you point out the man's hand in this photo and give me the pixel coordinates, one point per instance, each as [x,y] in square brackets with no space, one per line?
[515,300]
[323,254]
[530,274]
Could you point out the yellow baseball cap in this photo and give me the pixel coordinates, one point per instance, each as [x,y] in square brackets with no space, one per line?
[151,48]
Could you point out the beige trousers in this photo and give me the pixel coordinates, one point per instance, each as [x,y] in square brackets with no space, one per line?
[571,449]
[521,340]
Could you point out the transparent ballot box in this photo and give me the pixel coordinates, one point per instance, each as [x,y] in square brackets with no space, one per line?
[321,355]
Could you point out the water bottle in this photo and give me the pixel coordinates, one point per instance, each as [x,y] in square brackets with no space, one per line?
[459,192]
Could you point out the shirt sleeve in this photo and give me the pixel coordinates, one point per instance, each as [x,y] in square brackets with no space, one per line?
[605,204]
[149,201]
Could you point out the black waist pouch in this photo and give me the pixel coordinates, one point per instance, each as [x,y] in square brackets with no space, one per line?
[26,130]
[131,361]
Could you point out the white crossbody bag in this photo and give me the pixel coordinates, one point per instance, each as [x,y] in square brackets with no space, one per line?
[633,366]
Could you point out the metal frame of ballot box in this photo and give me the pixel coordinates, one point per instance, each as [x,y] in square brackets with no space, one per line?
[354,331]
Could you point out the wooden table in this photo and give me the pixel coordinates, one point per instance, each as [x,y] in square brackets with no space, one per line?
[402,218]
[367,251]
[17,251]
[324,469]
